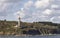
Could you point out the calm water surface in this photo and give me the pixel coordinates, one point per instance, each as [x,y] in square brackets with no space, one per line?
[52,36]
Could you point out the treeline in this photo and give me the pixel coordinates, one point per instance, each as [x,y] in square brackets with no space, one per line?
[35,28]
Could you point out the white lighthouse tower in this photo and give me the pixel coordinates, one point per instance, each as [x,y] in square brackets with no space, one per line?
[19,16]
[19,21]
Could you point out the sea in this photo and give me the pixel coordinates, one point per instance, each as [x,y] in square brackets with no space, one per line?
[45,36]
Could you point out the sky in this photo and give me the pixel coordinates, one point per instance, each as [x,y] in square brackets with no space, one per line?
[30,10]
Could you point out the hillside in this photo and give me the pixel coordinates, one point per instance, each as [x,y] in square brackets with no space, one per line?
[35,28]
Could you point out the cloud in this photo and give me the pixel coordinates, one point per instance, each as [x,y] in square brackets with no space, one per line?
[31,10]
[3,7]
[54,6]
[28,4]
[41,3]
[39,16]
[47,12]
[2,0]
[51,19]
[20,13]
[7,6]
[10,1]
[55,19]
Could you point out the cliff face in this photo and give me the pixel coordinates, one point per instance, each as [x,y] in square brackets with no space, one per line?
[35,28]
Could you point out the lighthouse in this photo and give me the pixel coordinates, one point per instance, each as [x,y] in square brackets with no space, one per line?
[19,21]
[19,15]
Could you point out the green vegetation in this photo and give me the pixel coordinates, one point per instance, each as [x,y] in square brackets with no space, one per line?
[8,27]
